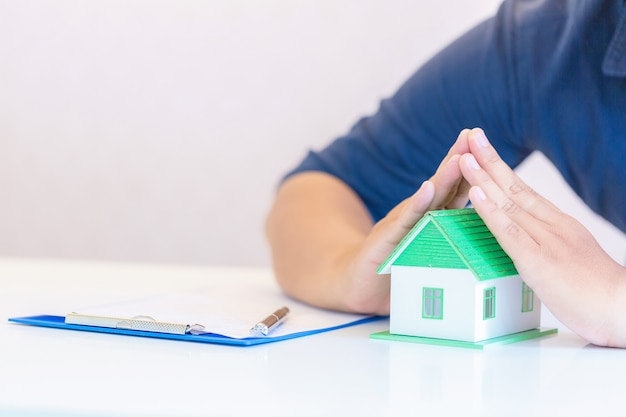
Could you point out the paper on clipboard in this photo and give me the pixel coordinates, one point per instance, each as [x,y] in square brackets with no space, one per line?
[226,309]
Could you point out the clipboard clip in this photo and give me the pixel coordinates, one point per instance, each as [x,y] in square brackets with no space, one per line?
[189,328]
[140,323]
[195,329]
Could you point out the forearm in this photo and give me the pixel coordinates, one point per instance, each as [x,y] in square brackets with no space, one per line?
[314,229]
[325,247]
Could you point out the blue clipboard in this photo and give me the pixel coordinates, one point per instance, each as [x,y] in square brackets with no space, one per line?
[58,322]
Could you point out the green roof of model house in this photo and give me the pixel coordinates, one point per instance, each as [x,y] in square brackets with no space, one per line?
[452,239]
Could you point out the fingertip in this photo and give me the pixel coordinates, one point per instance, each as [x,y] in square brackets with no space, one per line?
[461,145]
[427,188]
[477,194]
[464,133]
[471,162]
[424,195]
[477,135]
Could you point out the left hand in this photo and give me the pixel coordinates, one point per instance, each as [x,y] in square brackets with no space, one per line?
[555,254]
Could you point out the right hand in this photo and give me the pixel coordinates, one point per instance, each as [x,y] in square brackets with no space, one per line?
[446,189]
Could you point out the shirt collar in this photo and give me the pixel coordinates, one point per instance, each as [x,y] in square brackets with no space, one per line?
[614,64]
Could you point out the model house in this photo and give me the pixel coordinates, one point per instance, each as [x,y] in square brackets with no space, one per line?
[450,279]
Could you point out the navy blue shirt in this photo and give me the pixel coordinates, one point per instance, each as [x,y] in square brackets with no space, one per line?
[545,76]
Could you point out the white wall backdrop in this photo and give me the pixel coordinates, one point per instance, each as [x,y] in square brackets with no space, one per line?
[157,130]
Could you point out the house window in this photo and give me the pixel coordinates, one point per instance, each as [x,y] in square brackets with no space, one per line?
[432,303]
[489,303]
[528,298]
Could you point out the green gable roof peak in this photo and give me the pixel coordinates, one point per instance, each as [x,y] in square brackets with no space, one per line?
[457,239]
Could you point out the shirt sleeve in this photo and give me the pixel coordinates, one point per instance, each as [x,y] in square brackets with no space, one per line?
[471,83]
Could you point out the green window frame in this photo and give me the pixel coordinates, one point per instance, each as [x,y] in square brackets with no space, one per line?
[432,303]
[489,303]
[528,298]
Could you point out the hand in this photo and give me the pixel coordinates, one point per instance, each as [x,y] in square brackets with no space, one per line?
[555,255]
[445,189]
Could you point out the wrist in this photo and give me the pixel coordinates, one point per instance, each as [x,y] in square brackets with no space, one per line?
[612,331]
[363,290]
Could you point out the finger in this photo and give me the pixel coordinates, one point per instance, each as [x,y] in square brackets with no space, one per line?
[419,203]
[448,180]
[403,217]
[460,145]
[434,193]
[461,198]
[534,226]
[514,239]
[508,181]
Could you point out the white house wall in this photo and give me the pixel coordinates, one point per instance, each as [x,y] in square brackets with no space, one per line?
[462,305]
[406,302]
[509,317]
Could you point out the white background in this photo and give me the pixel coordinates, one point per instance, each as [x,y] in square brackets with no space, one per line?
[156,131]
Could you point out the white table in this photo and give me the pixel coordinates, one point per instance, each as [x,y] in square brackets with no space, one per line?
[55,372]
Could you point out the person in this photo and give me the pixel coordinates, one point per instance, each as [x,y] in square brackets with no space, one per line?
[541,75]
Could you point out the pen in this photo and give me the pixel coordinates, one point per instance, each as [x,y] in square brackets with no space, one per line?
[263,328]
